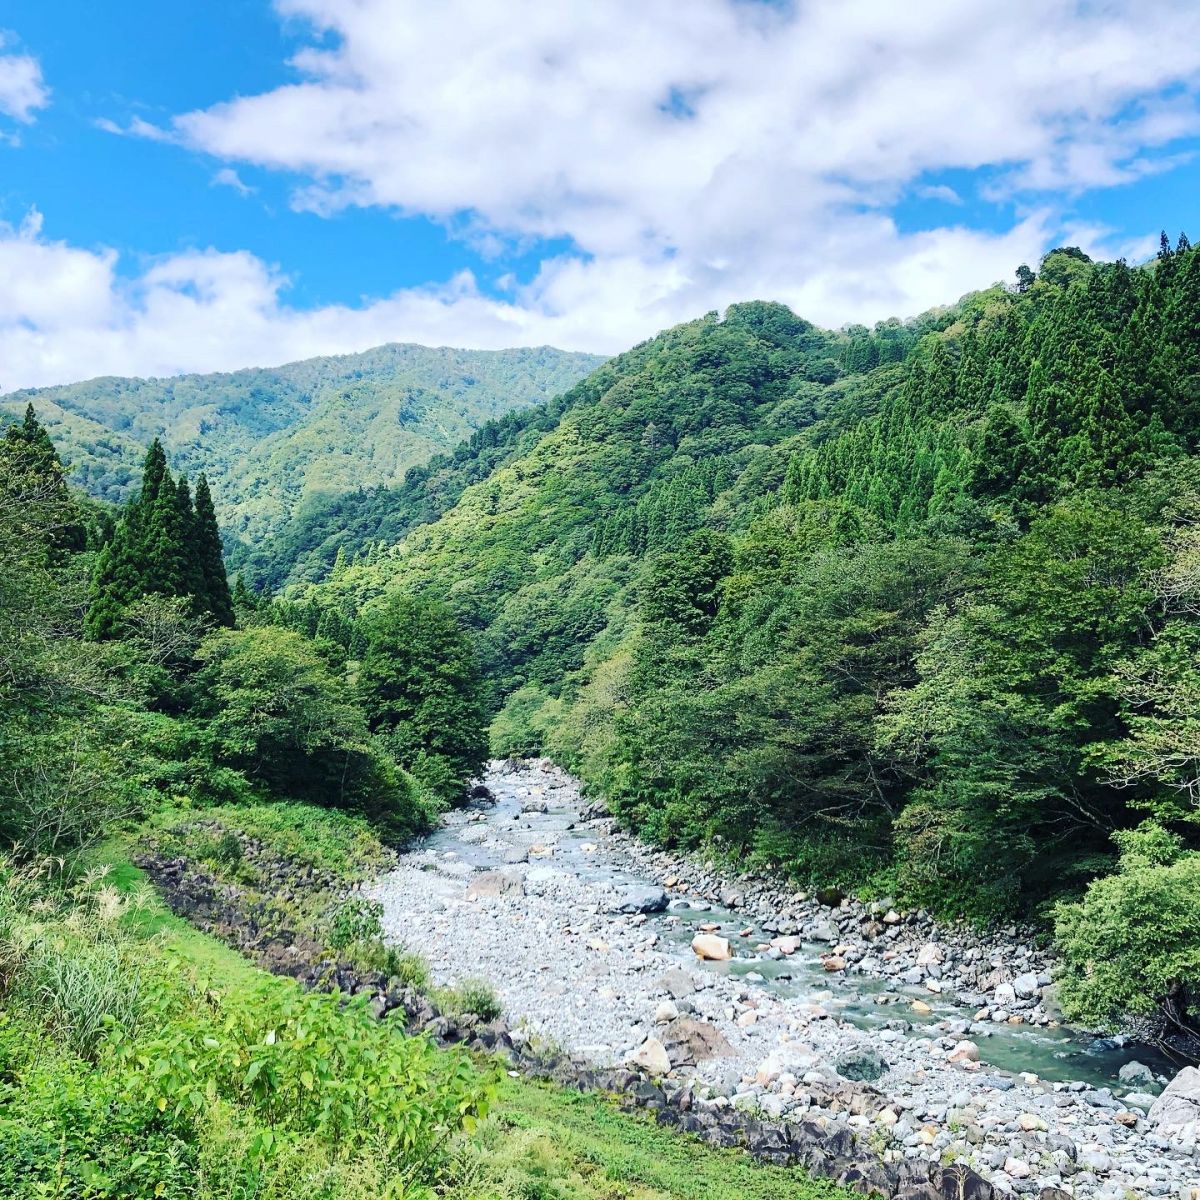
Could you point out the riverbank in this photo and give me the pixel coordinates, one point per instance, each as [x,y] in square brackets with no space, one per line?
[880,1022]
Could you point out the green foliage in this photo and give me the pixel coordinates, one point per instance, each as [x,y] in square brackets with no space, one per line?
[1132,944]
[468,996]
[419,687]
[150,1070]
[281,444]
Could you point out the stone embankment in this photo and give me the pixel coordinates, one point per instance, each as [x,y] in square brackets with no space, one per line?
[750,1013]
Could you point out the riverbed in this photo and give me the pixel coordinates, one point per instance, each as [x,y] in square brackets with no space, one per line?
[570,923]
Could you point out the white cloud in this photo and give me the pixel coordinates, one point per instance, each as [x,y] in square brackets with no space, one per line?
[228,177]
[691,154]
[68,313]
[22,89]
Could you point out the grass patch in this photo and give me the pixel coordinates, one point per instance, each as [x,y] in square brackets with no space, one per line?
[550,1144]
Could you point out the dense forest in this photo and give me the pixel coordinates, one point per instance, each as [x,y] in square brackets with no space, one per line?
[276,442]
[911,609]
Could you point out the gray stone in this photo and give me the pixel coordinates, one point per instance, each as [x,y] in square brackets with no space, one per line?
[863,1065]
[491,885]
[1176,1113]
[637,898]
[1135,1074]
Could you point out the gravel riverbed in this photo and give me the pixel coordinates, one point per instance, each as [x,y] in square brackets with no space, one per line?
[870,1017]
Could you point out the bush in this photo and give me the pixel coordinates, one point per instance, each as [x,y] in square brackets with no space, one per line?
[1131,946]
[469,996]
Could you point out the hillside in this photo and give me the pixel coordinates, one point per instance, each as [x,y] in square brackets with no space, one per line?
[275,441]
[905,624]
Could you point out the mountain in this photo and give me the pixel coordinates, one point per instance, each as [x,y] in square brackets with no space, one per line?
[275,441]
[904,608]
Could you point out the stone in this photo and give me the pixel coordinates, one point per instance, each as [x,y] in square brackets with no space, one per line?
[491,885]
[1031,1123]
[965,1051]
[1026,986]
[1006,995]
[651,1056]
[785,945]
[929,954]
[677,982]
[1136,1074]
[1176,1113]
[1017,1168]
[637,898]
[823,931]
[863,1065]
[835,962]
[709,946]
[919,1006]
[665,1012]
[689,1041]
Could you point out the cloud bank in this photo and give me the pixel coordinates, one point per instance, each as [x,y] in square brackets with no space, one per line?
[688,155]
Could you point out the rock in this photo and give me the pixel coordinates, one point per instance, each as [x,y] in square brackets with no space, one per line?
[1136,1074]
[786,945]
[481,791]
[651,1056]
[1140,1100]
[1006,995]
[490,885]
[1176,1113]
[929,954]
[964,1052]
[665,1012]
[835,962]
[863,1065]
[1031,1123]
[1018,1168]
[823,931]
[733,897]
[919,1006]
[516,855]
[709,946]
[689,1041]
[1026,986]
[678,982]
[637,898]
[534,804]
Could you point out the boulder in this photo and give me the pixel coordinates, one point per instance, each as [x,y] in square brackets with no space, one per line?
[1006,995]
[835,962]
[1135,1074]
[490,885]
[1026,986]
[964,1052]
[712,947]
[651,1056]
[665,1012]
[786,945]
[689,1041]
[677,982]
[1176,1113]
[930,954]
[823,931]
[863,1065]
[638,898]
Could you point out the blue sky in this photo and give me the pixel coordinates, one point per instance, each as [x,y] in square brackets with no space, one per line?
[207,185]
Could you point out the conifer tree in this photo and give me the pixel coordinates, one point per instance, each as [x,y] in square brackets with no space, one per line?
[215,598]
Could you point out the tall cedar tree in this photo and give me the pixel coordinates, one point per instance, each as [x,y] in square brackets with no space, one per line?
[163,545]
[33,453]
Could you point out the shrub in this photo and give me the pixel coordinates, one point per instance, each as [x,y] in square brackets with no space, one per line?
[469,996]
[1132,944]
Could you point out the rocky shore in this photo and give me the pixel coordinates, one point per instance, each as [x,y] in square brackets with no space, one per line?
[622,957]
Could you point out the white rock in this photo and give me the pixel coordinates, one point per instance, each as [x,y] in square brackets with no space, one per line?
[651,1056]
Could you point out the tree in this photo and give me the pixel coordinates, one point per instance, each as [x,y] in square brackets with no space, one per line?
[1131,946]
[214,596]
[419,685]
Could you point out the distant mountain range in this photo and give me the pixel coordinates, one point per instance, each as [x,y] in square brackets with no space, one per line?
[275,440]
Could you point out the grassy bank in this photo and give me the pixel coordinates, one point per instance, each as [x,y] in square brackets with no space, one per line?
[147,1084]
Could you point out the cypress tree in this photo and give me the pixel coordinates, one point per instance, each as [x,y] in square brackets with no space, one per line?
[214,597]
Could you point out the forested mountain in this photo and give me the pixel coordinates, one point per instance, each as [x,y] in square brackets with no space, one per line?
[912,607]
[275,441]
